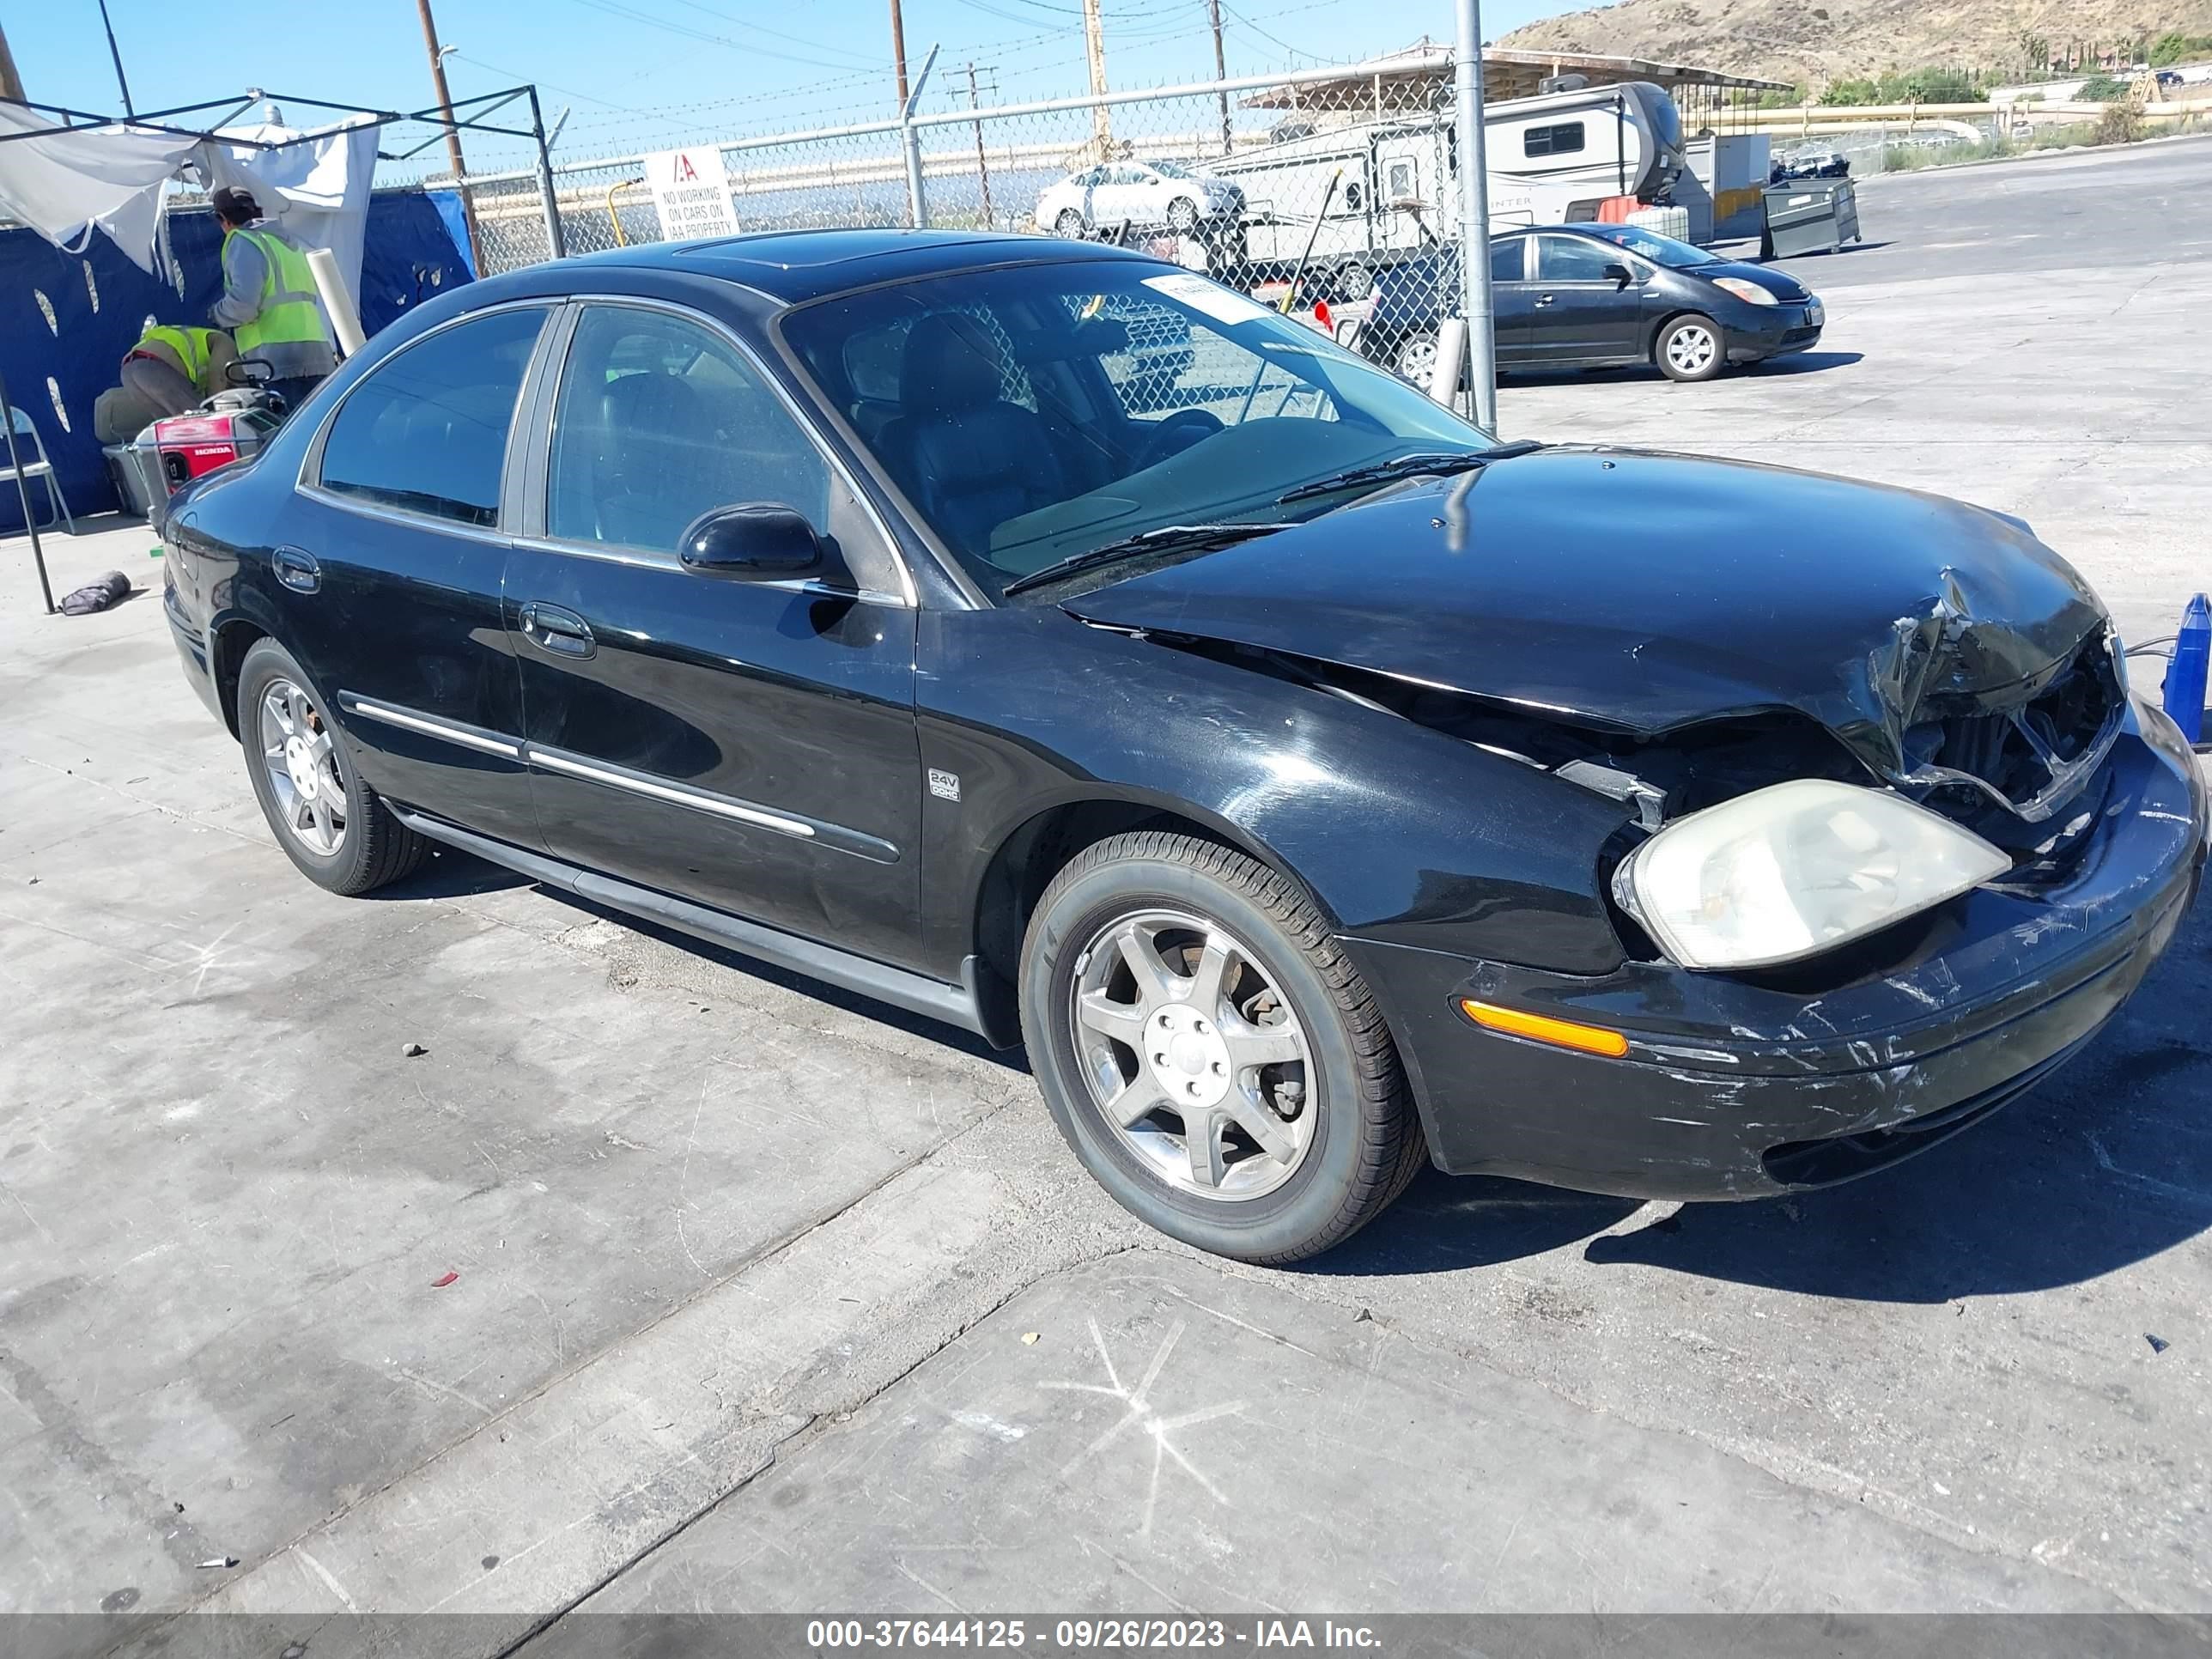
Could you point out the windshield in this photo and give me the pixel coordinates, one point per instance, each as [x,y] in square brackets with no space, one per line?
[1036,413]
[1660,249]
[1169,170]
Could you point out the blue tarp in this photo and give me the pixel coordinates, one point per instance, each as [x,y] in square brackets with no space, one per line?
[66,319]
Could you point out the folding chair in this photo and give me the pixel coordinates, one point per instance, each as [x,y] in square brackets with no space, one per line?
[41,468]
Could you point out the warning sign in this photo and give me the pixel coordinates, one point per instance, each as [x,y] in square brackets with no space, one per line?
[691,192]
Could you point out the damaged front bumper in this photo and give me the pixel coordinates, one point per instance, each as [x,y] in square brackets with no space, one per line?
[1744,1086]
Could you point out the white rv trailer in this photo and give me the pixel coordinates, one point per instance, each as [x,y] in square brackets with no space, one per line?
[1551,159]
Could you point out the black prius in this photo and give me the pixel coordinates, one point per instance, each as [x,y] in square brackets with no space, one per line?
[1316,786]
[1597,297]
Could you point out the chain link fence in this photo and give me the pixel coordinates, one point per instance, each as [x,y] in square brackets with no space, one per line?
[1340,183]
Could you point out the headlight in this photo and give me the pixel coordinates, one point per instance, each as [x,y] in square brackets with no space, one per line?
[1794,869]
[1744,289]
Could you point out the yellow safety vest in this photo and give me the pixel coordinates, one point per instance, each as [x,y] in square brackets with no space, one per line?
[290,309]
[191,345]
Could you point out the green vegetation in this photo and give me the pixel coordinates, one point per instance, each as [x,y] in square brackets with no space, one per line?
[1931,85]
[2176,48]
[2100,89]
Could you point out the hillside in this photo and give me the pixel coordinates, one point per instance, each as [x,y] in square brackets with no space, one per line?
[1822,40]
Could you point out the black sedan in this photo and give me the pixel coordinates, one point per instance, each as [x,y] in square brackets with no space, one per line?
[1588,296]
[1316,786]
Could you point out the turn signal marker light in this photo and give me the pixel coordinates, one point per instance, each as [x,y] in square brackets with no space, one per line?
[1561,1033]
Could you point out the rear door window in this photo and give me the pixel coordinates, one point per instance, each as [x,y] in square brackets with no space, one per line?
[1505,260]
[1571,259]
[426,430]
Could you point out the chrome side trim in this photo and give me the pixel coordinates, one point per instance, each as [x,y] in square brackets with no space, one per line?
[468,737]
[833,836]
[719,806]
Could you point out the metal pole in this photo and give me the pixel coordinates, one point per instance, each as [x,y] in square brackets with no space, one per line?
[115,52]
[1474,218]
[556,245]
[917,199]
[23,495]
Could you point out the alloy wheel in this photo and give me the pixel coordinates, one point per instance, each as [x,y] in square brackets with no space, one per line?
[1192,1055]
[1690,348]
[1417,359]
[301,757]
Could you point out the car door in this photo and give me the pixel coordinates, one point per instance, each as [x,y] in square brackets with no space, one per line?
[1512,300]
[393,573]
[1578,313]
[750,746]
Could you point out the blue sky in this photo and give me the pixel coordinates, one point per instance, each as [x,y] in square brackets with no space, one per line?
[650,74]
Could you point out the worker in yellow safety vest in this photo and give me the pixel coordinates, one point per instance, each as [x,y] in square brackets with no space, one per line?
[269,299]
[173,368]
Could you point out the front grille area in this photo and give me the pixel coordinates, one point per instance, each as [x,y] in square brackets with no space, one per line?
[2031,758]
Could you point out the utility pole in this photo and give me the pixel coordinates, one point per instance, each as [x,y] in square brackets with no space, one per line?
[1094,42]
[898,50]
[11,84]
[453,132]
[1220,68]
[982,171]
[1474,217]
[115,52]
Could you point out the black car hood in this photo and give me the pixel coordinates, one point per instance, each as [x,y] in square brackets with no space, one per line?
[1639,593]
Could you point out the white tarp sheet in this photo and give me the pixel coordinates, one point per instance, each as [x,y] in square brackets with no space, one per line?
[317,189]
[61,183]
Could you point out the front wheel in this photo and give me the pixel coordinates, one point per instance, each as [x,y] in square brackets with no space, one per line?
[1214,1060]
[1415,358]
[1691,348]
[1069,224]
[1183,216]
[330,823]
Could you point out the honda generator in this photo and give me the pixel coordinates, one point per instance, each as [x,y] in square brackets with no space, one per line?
[232,425]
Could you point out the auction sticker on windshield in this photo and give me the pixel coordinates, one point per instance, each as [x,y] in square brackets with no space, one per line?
[1215,300]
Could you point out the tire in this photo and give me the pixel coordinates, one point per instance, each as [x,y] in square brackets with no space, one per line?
[1069,224]
[1352,281]
[1414,357]
[1298,1154]
[1183,216]
[330,823]
[1680,357]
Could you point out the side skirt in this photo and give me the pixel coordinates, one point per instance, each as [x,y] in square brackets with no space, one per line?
[955,1005]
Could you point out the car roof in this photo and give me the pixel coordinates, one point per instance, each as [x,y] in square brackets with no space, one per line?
[797,265]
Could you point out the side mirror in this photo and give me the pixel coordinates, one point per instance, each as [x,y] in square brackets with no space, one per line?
[756,542]
[1619,276]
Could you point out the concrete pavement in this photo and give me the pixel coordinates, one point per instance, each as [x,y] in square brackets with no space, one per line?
[744,1266]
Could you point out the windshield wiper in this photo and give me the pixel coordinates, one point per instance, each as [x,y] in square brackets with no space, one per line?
[1410,466]
[1171,536]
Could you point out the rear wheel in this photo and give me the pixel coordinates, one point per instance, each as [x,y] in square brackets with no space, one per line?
[1183,216]
[1214,1060]
[329,823]
[1691,348]
[1352,281]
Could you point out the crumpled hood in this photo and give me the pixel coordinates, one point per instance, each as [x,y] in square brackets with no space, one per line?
[1642,591]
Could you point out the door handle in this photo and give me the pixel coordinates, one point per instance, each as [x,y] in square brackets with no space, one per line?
[563,633]
[296,569]
[1544,299]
